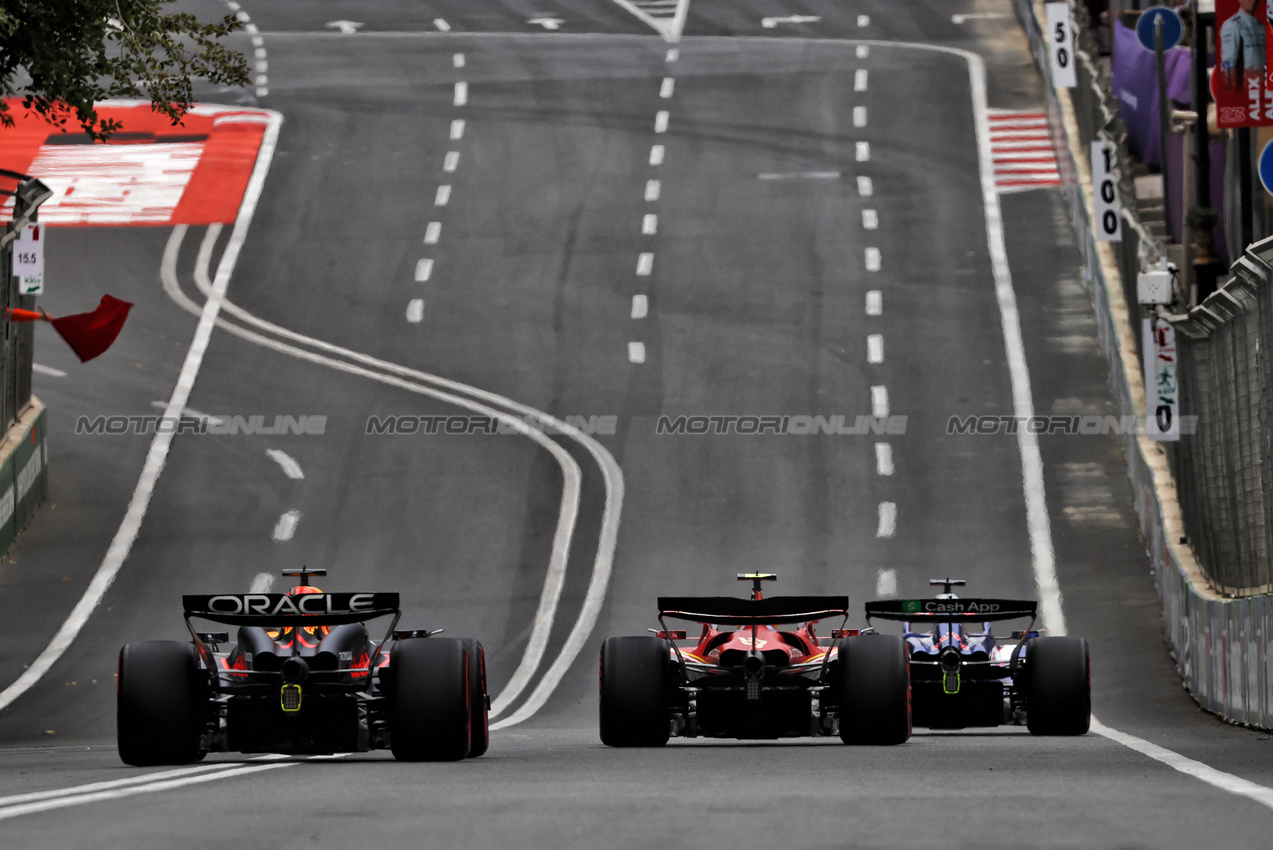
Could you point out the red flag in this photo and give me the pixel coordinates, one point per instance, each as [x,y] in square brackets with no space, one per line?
[89,334]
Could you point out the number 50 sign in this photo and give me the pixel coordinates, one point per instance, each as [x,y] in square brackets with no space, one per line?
[1060,37]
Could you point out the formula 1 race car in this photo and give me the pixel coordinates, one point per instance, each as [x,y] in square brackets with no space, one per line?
[961,677]
[302,678]
[768,676]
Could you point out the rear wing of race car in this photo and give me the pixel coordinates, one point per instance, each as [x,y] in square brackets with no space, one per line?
[731,611]
[951,610]
[274,610]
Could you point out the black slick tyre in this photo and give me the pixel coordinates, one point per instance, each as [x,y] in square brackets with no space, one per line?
[634,697]
[875,690]
[158,703]
[1058,686]
[429,702]
[479,699]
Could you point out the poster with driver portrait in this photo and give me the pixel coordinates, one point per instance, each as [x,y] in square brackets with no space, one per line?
[1240,83]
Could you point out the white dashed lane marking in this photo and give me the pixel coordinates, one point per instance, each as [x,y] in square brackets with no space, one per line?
[291,468]
[443,196]
[870,220]
[656,155]
[660,121]
[886,583]
[457,129]
[865,188]
[442,25]
[645,263]
[458,60]
[461,93]
[650,224]
[423,270]
[872,259]
[669,85]
[673,54]
[863,51]
[652,188]
[874,303]
[636,352]
[859,79]
[859,116]
[451,161]
[879,402]
[883,458]
[286,526]
[888,520]
[864,20]
[432,233]
[863,151]
[415,310]
[640,306]
[875,348]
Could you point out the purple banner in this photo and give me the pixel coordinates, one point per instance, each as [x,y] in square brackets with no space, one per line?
[1136,87]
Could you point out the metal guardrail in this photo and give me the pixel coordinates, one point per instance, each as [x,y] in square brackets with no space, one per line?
[1224,473]
[17,341]
[1221,646]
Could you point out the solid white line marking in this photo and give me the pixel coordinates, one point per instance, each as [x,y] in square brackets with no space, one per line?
[458,60]
[863,151]
[432,232]
[451,161]
[291,468]
[859,116]
[441,25]
[863,51]
[477,401]
[660,121]
[1196,769]
[652,188]
[190,412]
[443,196]
[859,79]
[645,263]
[650,224]
[879,402]
[286,526]
[415,310]
[864,20]
[870,220]
[875,348]
[886,583]
[207,773]
[423,270]
[872,259]
[883,458]
[799,175]
[636,352]
[47,370]
[665,90]
[261,583]
[874,302]
[457,129]
[640,306]
[656,155]
[157,455]
[887,526]
[672,55]
[461,93]
[865,189]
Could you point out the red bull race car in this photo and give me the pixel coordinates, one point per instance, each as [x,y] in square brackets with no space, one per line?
[756,670]
[962,675]
[302,677]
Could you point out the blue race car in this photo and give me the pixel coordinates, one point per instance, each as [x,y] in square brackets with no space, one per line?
[962,675]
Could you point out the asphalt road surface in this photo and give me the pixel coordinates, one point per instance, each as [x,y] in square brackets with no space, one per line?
[564,207]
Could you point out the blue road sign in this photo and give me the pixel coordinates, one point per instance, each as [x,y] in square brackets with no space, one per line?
[1172,28]
[1266,167]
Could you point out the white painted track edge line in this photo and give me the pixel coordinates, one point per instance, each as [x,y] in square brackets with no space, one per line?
[35,796]
[157,454]
[164,785]
[612,476]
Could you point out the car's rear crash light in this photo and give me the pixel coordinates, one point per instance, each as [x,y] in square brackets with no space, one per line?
[671,634]
[290,697]
[1021,634]
[839,634]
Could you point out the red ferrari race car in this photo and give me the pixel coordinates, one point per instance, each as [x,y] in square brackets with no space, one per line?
[303,677]
[756,670]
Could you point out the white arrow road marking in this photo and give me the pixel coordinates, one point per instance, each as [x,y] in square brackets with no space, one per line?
[286,526]
[291,468]
[548,23]
[771,23]
[346,27]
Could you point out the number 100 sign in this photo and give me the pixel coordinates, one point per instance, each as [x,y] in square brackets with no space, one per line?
[1060,36]
[1108,223]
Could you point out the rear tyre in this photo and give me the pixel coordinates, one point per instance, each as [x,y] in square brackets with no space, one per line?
[1058,686]
[479,700]
[634,698]
[875,690]
[158,703]
[429,702]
